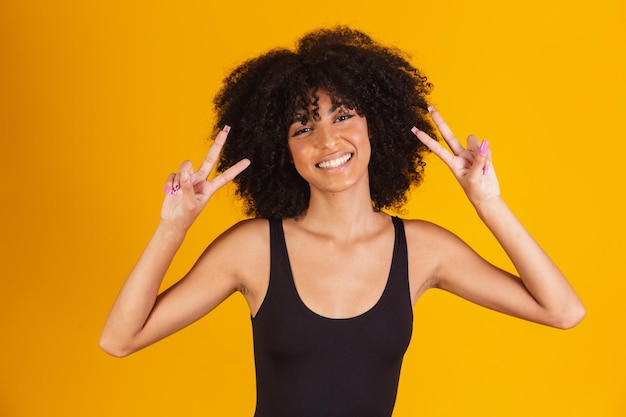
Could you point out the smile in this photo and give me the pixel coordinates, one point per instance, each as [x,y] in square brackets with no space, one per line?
[334,163]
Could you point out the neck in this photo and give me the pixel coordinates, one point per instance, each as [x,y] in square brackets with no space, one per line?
[346,214]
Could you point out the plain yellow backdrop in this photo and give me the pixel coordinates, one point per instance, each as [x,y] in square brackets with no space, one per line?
[100,100]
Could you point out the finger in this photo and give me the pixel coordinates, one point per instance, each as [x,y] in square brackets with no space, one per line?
[185,167]
[434,146]
[213,154]
[186,187]
[228,175]
[473,144]
[446,132]
[484,156]
[480,164]
[169,183]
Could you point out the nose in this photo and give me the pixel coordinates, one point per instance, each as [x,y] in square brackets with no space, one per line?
[327,137]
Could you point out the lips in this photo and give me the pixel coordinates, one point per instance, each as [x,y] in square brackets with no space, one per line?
[334,163]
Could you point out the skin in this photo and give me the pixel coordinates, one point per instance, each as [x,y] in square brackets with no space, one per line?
[330,245]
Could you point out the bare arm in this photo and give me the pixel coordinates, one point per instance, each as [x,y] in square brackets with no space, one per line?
[541,293]
[138,317]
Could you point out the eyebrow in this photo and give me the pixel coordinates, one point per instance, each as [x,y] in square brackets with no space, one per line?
[334,107]
[299,116]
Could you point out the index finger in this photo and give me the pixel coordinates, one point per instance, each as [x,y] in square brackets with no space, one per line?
[434,146]
[213,154]
[446,132]
[228,175]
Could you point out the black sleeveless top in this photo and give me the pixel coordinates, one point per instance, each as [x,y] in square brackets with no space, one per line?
[308,365]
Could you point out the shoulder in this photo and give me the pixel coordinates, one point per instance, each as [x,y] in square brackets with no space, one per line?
[248,232]
[426,237]
[240,246]
[429,247]
[247,245]
[241,252]
[244,244]
[422,232]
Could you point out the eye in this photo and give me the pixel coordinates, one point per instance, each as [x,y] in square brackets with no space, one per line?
[300,125]
[344,113]
[299,132]
[343,117]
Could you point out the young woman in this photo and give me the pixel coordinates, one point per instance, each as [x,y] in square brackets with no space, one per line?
[323,139]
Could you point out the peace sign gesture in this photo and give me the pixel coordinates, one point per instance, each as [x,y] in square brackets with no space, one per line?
[187,192]
[471,166]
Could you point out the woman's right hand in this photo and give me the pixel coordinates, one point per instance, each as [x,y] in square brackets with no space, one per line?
[187,192]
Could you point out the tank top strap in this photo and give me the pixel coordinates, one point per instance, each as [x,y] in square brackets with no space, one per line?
[400,246]
[280,267]
[399,273]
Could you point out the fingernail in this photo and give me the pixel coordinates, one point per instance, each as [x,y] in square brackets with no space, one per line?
[431,109]
[175,189]
[226,128]
[168,189]
[483,147]
[485,169]
[414,130]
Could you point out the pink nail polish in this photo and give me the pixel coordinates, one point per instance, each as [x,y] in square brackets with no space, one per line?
[485,169]
[167,189]
[483,147]
[431,109]
[226,128]
[414,130]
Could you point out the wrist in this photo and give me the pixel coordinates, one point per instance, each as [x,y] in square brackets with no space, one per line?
[170,230]
[491,207]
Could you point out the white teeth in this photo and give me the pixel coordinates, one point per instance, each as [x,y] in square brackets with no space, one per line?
[335,162]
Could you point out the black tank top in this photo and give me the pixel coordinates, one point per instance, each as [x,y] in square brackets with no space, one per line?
[308,365]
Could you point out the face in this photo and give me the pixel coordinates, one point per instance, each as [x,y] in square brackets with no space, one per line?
[331,151]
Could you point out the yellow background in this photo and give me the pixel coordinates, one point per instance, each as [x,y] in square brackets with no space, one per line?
[101,100]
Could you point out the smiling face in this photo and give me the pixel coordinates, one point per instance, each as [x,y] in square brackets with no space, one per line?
[330,145]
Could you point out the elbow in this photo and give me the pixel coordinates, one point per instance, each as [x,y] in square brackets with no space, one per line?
[117,350]
[572,317]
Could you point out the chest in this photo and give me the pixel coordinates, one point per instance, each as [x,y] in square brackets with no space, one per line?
[340,281]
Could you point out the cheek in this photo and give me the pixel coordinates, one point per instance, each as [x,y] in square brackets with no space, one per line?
[298,157]
[366,145]
[298,149]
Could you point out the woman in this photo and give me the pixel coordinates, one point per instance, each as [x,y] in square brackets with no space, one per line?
[323,139]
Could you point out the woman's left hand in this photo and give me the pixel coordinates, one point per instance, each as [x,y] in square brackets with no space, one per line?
[471,166]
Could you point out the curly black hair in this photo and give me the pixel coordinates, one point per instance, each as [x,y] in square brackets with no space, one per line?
[260,98]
